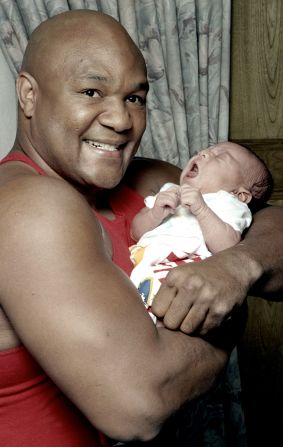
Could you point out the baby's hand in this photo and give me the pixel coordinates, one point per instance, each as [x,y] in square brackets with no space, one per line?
[166,202]
[192,198]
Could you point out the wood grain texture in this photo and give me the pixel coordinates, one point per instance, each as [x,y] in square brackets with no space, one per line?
[257,69]
[271,151]
[256,121]
[261,366]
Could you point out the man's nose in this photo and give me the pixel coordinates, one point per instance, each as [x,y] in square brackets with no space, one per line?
[117,116]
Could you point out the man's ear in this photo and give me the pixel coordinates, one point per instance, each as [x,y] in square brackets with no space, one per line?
[26,87]
[243,195]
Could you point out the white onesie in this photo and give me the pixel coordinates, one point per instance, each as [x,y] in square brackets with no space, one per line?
[181,235]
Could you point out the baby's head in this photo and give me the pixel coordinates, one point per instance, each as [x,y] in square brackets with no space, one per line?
[229,167]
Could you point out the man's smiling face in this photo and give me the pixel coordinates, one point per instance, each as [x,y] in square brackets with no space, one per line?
[90,107]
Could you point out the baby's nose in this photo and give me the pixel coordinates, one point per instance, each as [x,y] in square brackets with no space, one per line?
[203,153]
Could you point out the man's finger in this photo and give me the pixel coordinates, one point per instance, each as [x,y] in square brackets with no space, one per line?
[194,319]
[163,300]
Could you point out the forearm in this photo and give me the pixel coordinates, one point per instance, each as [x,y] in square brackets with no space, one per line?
[162,370]
[144,221]
[195,364]
[218,235]
[182,368]
[263,247]
[193,367]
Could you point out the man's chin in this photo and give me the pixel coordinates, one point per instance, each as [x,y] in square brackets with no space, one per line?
[105,183]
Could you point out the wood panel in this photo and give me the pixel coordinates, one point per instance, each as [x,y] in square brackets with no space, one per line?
[261,366]
[256,121]
[271,151]
[256,69]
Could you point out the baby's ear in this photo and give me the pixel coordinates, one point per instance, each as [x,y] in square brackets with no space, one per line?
[243,195]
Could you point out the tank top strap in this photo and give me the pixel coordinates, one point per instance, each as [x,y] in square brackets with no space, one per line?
[19,156]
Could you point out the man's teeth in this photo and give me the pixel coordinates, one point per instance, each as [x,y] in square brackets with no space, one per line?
[103,146]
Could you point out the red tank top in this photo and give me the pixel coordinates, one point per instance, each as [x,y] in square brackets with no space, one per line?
[33,411]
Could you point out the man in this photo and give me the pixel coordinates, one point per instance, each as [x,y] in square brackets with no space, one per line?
[65,226]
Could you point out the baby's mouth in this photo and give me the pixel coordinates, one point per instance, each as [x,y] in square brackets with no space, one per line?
[193,172]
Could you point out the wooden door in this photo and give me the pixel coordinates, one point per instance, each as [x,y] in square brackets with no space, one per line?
[256,121]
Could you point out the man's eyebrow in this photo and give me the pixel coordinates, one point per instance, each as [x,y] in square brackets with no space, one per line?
[98,77]
[94,76]
[142,86]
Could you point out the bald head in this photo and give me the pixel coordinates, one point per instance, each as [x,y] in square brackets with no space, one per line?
[67,34]
[82,95]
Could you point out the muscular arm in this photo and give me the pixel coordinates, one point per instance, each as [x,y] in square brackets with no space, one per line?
[83,320]
[263,246]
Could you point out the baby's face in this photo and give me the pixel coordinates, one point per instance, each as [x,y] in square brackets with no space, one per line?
[218,167]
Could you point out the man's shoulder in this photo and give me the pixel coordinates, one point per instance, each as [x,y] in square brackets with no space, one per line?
[33,201]
[27,183]
[146,175]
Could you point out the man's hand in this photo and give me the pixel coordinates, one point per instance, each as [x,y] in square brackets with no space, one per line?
[199,296]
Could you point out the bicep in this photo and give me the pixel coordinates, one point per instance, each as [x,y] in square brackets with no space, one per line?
[84,322]
[146,176]
[75,311]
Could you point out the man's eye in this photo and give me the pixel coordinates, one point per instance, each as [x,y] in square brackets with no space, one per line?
[90,92]
[135,99]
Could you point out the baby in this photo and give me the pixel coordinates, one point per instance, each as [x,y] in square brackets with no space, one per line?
[206,213]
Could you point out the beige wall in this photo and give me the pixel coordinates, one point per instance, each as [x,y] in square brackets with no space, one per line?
[7,107]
